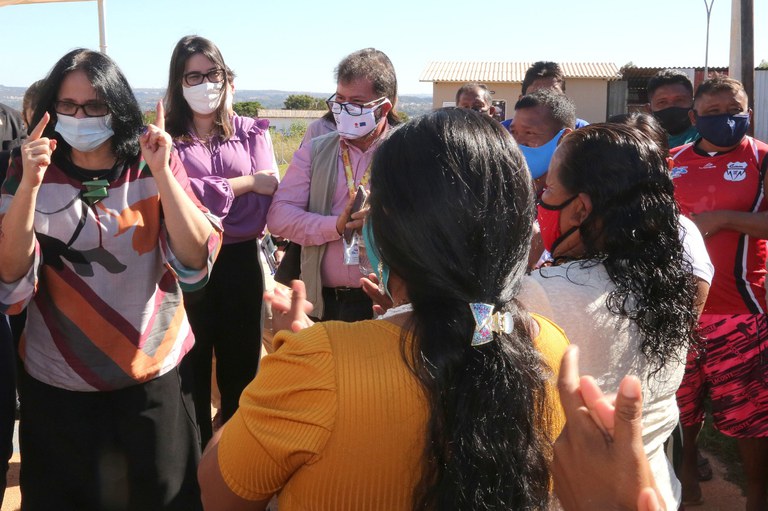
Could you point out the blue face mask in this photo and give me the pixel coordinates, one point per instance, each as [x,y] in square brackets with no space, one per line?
[381,269]
[722,130]
[538,158]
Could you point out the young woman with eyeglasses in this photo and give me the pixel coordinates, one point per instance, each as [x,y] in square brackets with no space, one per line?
[231,163]
[101,231]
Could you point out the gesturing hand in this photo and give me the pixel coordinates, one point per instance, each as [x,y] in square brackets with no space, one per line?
[156,144]
[36,153]
[599,458]
[289,312]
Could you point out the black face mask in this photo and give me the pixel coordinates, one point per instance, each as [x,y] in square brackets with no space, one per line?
[673,119]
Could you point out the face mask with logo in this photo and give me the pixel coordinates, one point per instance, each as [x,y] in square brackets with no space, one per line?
[674,119]
[548,216]
[352,127]
[379,268]
[204,98]
[538,158]
[84,134]
[722,130]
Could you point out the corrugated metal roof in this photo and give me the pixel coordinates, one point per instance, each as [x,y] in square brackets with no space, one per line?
[510,72]
[645,72]
[276,113]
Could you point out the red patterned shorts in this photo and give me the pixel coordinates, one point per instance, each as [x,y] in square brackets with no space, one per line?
[733,369]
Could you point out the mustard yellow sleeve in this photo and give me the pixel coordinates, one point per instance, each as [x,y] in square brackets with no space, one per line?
[552,343]
[285,417]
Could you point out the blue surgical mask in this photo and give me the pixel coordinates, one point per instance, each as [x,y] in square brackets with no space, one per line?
[722,130]
[538,158]
[85,134]
[372,251]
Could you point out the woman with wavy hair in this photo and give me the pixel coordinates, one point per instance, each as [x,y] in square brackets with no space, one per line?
[443,403]
[619,285]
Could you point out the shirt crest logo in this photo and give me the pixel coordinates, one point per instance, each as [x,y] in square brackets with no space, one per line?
[737,171]
[709,165]
[678,171]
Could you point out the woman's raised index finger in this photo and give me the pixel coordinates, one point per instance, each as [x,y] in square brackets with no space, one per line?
[38,131]
[160,115]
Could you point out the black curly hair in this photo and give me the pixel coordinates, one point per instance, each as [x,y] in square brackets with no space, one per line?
[633,230]
[451,211]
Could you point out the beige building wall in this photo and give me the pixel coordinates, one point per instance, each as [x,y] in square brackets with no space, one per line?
[590,96]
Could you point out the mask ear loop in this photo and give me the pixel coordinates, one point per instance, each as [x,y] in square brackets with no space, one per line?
[562,238]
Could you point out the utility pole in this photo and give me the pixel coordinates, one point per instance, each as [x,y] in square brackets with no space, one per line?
[706,47]
[748,51]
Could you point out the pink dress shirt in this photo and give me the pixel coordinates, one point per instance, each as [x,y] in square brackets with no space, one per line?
[288,216]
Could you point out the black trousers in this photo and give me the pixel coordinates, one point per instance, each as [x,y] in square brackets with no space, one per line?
[7,399]
[346,304]
[133,449]
[226,318]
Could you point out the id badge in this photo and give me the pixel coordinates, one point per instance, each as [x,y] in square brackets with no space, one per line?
[352,250]
[268,248]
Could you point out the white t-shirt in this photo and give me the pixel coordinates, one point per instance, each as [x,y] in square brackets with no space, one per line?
[574,297]
[695,250]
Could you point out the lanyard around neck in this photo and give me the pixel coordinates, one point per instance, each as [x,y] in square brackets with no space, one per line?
[350,175]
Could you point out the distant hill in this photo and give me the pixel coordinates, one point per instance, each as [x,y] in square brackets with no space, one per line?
[410,104]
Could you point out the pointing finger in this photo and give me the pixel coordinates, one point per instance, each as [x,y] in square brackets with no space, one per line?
[38,131]
[160,116]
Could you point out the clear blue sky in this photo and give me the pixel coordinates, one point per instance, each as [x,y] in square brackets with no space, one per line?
[295,44]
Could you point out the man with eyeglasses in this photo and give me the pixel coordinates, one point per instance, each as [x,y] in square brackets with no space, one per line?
[313,204]
[477,97]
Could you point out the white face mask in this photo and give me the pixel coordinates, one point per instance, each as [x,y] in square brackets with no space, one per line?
[352,127]
[203,98]
[85,134]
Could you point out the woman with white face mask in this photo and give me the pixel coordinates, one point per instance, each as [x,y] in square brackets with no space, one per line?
[234,173]
[101,233]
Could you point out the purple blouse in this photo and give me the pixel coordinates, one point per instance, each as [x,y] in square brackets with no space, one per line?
[247,151]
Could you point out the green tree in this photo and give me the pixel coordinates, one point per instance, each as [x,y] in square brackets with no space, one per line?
[763,64]
[297,129]
[149,117]
[247,108]
[304,102]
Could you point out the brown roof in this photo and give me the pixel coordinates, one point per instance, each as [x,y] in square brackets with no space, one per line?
[511,72]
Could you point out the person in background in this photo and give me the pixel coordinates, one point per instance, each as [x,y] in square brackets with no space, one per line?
[11,136]
[102,231]
[313,204]
[544,75]
[542,118]
[670,99]
[11,129]
[720,185]
[477,97]
[232,169]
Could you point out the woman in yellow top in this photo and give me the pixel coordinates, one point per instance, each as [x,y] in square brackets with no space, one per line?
[446,401]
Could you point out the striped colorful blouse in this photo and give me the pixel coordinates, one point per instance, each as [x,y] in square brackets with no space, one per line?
[103,295]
